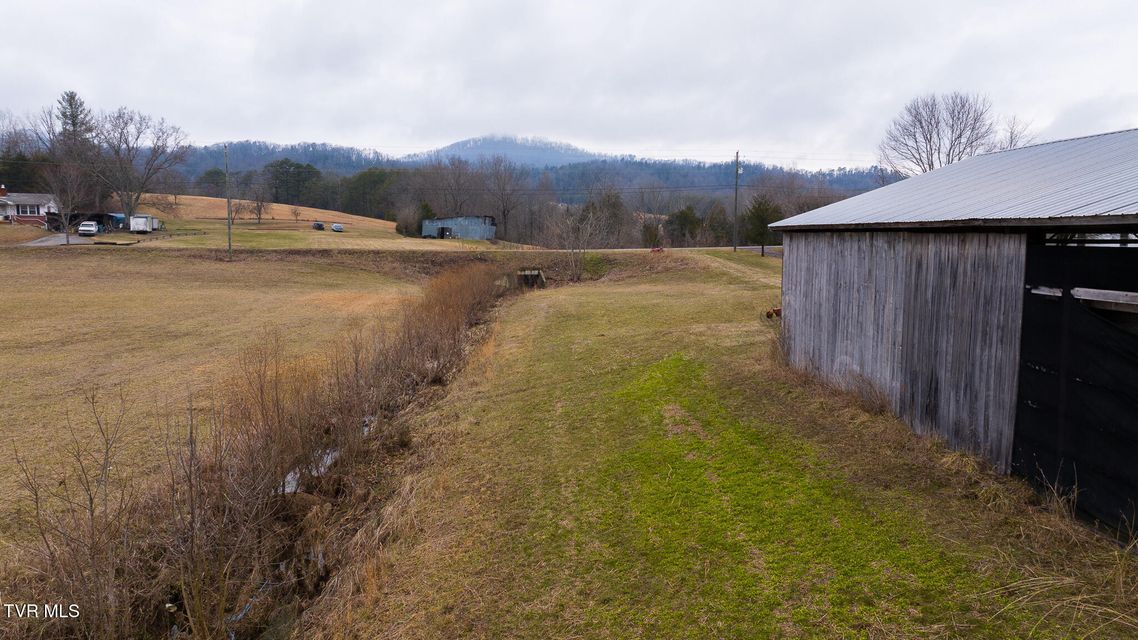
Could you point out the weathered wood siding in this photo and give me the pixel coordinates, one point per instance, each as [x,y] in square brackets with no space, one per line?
[930,319]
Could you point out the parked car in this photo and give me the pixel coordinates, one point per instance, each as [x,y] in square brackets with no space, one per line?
[318,226]
[88,228]
[337,227]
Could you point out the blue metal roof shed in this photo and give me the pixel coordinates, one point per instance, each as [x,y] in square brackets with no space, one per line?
[467,227]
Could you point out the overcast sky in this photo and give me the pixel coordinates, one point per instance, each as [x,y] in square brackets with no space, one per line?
[806,83]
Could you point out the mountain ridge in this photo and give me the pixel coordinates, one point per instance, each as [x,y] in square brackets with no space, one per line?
[530,151]
[569,166]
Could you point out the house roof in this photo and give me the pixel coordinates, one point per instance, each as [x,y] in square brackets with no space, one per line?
[1082,181]
[27,198]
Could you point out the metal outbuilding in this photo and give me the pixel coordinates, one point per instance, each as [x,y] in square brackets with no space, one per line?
[468,227]
[994,302]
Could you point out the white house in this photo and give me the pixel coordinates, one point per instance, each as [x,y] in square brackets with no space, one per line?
[26,208]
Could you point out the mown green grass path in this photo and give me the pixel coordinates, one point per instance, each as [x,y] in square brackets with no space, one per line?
[617,465]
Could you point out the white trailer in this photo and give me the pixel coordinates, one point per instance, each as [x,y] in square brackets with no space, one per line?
[145,224]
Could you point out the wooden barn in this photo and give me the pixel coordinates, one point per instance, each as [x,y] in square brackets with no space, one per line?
[994,302]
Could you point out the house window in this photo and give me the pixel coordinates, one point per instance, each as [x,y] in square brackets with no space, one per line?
[27,209]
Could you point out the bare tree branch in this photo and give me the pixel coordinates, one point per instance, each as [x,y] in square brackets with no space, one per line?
[136,151]
[936,130]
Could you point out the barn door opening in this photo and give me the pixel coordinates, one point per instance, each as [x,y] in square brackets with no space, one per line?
[1077,410]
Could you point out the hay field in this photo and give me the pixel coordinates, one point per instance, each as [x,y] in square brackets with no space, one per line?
[162,324]
[279,229]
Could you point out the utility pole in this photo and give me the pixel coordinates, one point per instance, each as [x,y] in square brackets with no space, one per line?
[228,206]
[735,232]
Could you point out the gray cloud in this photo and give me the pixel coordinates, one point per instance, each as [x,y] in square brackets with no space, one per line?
[807,83]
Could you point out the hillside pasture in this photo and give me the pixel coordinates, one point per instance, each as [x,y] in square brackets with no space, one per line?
[200,222]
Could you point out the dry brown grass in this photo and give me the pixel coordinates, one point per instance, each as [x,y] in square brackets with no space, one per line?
[244,524]
[1092,582]
[161,324]
[11,234]
[202,220]
[276,215]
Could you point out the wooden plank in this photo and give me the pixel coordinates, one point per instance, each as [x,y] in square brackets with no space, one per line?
[1105,295]
[931,319]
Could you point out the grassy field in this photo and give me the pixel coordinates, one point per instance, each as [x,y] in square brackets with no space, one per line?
[159,323]
[626,459]
[621,458]
[199,222]
[12,234]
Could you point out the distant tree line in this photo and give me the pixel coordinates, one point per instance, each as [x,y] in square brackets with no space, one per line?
[108,160]
[254,154]
[628,210]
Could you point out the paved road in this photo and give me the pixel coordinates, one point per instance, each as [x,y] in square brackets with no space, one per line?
[56,240]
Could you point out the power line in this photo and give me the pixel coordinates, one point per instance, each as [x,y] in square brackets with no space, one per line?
[735,218]
[228,206]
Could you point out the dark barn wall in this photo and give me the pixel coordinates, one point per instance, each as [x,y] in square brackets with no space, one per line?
[930,319]
[1077,418]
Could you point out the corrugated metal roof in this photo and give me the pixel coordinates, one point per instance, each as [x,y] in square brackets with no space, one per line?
[1088,180]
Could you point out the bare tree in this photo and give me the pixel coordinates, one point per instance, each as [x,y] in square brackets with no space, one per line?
[254,207]
[460,185]
[653,197]
[16,139]
[575,231]
[66,133]
[295,213]
[136,149]
[81,515]
[1015,133]
[219,510]
[504,182]
[252,199]
[620,228]
[936,130]
[792,192]
[540,204]
[258,206]
[163,203]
